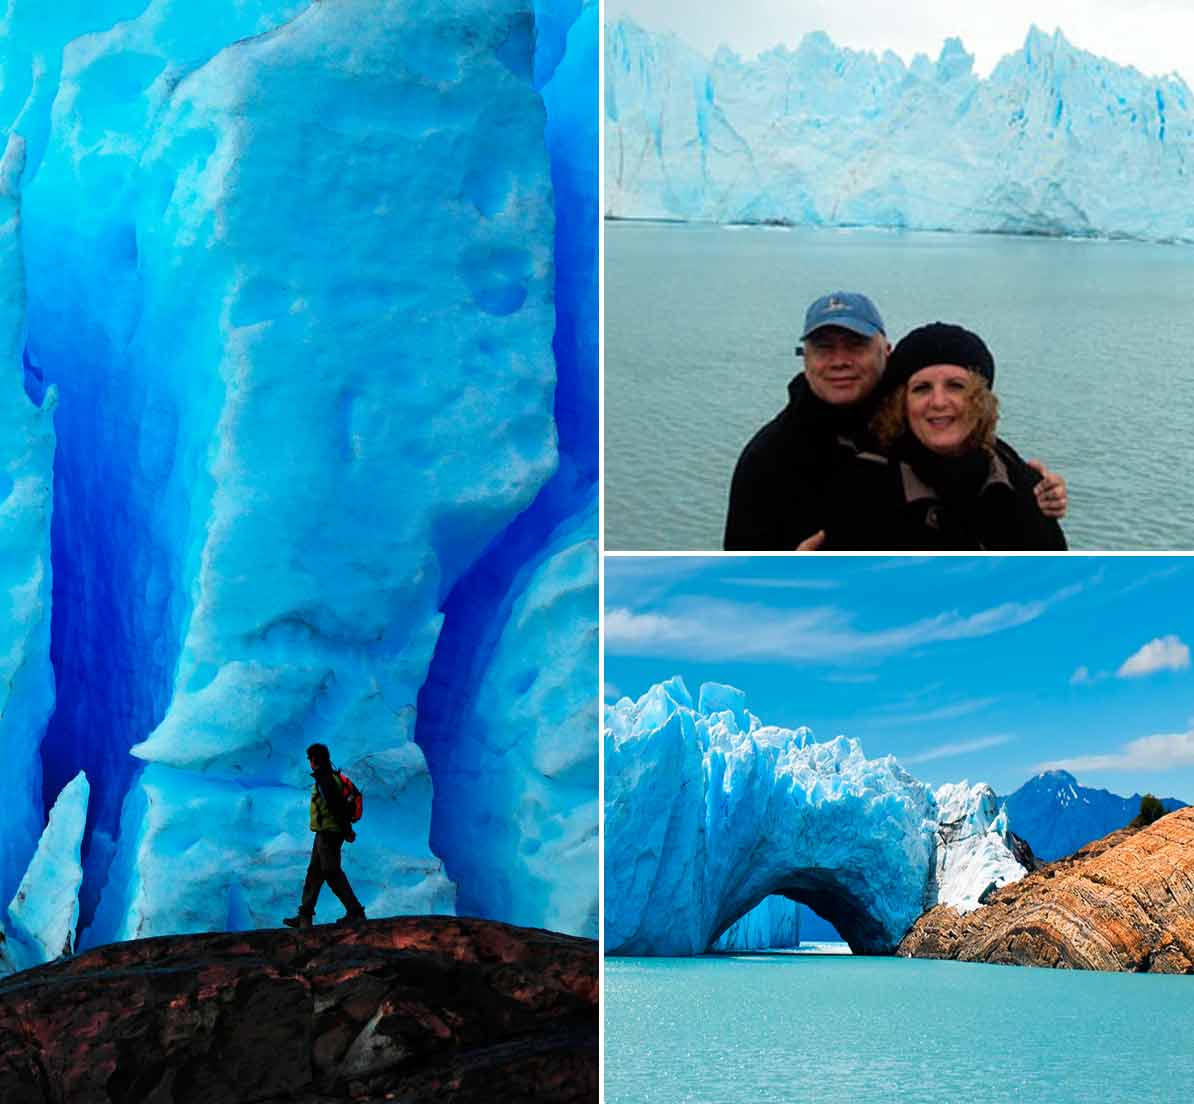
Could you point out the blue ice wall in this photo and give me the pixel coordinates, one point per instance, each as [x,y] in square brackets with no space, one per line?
[295,273]
[26,452]
[499,793]
[130,429]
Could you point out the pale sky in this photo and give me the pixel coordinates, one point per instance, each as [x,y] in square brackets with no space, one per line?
[1156,36]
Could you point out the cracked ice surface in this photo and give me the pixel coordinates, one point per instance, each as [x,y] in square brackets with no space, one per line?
[708,812]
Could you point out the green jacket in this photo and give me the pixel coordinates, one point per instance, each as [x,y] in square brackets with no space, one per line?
[323,817]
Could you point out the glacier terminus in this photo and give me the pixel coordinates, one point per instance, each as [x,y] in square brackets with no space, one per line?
[1055,141]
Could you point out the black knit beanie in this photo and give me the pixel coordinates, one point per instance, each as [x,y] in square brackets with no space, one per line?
[937,343]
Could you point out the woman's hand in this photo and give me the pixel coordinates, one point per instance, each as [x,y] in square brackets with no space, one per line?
[1050,492]
[813,543]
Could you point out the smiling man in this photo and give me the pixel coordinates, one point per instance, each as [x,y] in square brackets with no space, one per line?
[778,494]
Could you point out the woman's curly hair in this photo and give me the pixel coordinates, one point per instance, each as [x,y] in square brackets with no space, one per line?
[890,420]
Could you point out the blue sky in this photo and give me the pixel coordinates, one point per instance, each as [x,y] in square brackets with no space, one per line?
[983,668]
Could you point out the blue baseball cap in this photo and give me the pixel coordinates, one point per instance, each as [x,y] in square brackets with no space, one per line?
[850,310]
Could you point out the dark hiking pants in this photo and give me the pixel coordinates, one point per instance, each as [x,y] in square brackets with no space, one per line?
[325,867]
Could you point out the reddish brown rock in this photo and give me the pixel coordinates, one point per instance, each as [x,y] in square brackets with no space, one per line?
[413,1009]
[1125,902]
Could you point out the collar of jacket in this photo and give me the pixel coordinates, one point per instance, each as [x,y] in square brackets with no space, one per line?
[810,410]
[916,489]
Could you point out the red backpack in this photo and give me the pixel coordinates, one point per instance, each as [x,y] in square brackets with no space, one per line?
[353,798]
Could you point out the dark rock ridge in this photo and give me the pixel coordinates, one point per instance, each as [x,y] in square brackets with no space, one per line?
[1056,815]
[415,1009]
[1125,902]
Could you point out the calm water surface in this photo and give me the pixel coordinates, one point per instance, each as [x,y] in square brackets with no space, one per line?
[1093,344]
[746,1029]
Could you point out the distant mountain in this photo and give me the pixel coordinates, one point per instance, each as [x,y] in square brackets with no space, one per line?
[1056,815]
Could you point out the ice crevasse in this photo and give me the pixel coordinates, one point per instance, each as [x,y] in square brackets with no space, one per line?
[710,815]
[298,318]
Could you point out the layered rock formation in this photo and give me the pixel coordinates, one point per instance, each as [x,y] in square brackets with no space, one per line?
[1125,902]
[415,1008]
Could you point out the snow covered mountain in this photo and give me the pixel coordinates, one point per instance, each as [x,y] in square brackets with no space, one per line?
[298,326]
[708,813]
[1057,816]
[1056,141]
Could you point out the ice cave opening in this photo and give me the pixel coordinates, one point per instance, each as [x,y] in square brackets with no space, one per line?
[837,898]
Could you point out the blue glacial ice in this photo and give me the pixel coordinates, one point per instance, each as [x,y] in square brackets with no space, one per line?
[1055,141]
[26,464]
[773,923]
[709,812]
[314,285]
[44,912]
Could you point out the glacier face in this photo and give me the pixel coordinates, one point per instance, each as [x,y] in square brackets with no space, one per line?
[773,923]
[316,288]
[1055,141]
[26,474]
[708,812]
[43,915]
[974,852]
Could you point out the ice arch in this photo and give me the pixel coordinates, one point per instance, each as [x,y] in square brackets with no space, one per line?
[708,812]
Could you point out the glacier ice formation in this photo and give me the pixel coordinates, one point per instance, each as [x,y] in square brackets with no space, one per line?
[1055,141]
[43,914]
[708,812]
[26,475]
[773,923]
[309,292]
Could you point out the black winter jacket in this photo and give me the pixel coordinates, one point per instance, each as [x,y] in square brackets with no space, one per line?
[884,503]
[778,494]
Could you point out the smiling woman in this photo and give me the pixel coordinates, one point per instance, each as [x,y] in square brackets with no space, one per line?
[944,480]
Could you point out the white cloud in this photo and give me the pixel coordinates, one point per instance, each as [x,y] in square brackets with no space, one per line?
[944,712]
[1081,677]
[785,584]
[1161,752]
[945,751]
[695,628]
[1166,653]
[612,693]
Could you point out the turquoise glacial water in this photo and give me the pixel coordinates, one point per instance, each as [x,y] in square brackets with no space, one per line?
[1093,343]
[748,1029]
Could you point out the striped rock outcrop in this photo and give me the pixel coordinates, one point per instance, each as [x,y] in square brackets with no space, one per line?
[1124,902]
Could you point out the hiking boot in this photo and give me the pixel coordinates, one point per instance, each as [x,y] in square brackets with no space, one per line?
[299,921]
[352,918]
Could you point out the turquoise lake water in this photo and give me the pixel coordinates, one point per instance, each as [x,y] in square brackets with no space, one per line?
[748,1029]
[1093,343]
